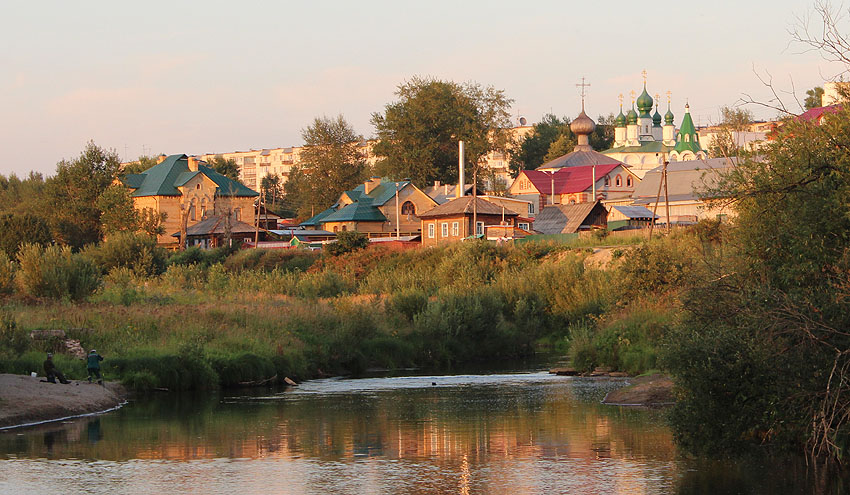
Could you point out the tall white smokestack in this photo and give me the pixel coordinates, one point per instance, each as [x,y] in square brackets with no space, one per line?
[460,177]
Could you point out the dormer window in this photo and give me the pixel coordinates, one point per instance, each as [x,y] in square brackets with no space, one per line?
[618,181]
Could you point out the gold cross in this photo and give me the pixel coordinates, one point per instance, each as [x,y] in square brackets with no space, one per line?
[632,94]
[669,97]
[643,73]
[582,86]
[620,97]
[657,97]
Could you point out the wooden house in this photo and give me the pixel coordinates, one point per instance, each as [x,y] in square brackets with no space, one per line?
[461,218]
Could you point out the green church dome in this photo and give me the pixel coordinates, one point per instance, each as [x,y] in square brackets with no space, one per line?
[656,119]
[632,117]
[644,103]
[668,117]
[620,121]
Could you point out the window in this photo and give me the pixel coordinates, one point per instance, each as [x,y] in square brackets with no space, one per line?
[336,228]
[344,228]
[237,214]
[618,181]
[455,229]
[444,229]
[431,229]
[531,208]
[408,208]
[197,186]
[607,181]
[479,228]
[192,213]
[523,226]
[629,181]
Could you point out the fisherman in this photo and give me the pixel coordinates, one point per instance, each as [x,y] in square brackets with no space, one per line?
[52,372]
[93,366]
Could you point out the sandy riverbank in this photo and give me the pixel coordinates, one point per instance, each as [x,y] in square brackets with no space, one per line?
[24,399]
[650,391]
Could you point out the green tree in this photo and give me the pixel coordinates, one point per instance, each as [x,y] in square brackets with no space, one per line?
[22,229]
[140,165]
[271,190]
[565,143]
[74,192]
[813,98]
[330,164]
[347,241]
[118,213]
[732,121]
[764,356]
[226,167]
[531,151]
[418,134]
[603,136]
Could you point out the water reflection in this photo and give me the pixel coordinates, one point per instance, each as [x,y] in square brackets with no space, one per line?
[529,433]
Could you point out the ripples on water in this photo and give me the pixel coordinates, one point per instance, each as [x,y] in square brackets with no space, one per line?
[512,433]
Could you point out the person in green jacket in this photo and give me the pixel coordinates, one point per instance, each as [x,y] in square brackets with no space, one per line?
[93,366]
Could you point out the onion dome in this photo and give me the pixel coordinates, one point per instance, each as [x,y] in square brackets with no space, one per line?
[668,117]
[632,117]
[644,102]
[620,120]
[582,125]
[656,118]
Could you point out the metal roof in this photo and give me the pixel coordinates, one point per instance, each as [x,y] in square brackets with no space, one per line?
[635,211]
[163,179]
[463,206]
[578,159]
[317,218]
[562,219]
[569,180]
[356,212]
[215,225]
[684,179]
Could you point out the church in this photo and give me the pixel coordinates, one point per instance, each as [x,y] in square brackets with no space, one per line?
[643,142]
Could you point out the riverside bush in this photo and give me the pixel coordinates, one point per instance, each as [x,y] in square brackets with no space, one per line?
[239,368]
[408,302]
[314,285]
[270,259]
[135,251]
[7,274]
[55,272]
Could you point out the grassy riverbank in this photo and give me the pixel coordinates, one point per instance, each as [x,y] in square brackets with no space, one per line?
[203,320]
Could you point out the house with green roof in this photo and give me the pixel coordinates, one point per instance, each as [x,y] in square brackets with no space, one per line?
[181,186]
[378,208]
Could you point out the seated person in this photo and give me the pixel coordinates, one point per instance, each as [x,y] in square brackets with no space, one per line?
[52,372]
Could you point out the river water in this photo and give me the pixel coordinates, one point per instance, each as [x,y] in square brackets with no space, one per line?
[526,433]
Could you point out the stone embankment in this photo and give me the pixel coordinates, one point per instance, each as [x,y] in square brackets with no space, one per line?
[25,399]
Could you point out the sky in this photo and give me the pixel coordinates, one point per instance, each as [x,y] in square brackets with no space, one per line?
[211,77]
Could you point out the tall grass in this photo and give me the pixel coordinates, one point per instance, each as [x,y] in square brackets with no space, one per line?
[218,318]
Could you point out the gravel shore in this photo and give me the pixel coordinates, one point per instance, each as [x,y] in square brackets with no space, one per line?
[24,399]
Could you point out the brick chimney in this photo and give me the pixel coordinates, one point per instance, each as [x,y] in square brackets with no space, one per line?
[371,184]
[193,164]
[160,159]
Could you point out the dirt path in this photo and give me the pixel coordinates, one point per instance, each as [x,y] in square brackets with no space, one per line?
[24,399]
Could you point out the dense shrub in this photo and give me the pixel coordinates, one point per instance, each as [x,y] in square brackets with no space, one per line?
[16,230]
[55,272]
[7,274]
[239,368]
[320,284]
[270,259]
[183,371]
[135,251]
[346,242]
[204,257]
[408,302]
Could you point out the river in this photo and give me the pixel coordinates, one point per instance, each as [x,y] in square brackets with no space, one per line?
[516,433]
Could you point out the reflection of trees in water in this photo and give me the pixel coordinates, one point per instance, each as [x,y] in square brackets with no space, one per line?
[478,423]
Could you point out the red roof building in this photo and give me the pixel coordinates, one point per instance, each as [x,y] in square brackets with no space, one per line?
[572,185]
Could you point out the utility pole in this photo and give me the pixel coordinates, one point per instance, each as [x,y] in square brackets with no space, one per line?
[475,200]
[666,196]
[397,214]
[657,199]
